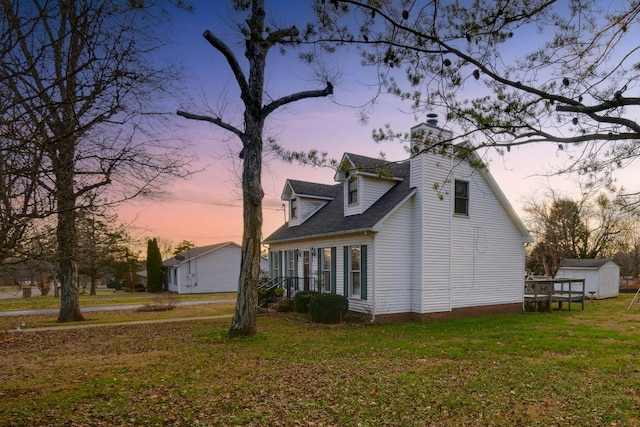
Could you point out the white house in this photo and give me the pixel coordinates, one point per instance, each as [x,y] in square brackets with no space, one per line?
[601,276]
[212,268]
[429,237]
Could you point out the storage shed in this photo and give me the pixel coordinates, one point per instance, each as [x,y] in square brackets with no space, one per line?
[602,276]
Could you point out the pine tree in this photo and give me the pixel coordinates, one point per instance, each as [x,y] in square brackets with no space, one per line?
[155,277]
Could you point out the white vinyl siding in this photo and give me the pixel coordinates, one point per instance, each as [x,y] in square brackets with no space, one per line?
[306,207]
[434,214]
[373,189]
[487,250]
[463,261]
[422,257]
[370,189]
[393,251]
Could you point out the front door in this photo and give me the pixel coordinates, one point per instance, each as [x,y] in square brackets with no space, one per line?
[306,269]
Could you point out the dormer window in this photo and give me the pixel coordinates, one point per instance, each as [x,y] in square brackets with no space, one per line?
[352,190]
[293,208]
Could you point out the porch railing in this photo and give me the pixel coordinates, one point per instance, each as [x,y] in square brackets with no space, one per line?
[290,285]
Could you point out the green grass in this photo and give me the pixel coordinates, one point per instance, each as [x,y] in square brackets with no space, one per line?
[559,368]
[104,297]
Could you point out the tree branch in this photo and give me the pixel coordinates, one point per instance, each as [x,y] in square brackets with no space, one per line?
[277,36]
[214,120]
[221,47]
[271,107]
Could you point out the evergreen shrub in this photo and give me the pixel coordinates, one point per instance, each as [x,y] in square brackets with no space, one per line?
[301,301]
[328,308]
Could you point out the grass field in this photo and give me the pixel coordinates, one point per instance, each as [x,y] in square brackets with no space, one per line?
[578,368]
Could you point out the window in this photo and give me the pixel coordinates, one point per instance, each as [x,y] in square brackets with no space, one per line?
[461,203]
[326,269]
[354,271]
[290,263]
[275,264]
[352,190]
[294,208]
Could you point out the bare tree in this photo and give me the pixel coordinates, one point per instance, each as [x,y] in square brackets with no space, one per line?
[21,202]
[506,72]
[100,240]
[595,226]
[78,80]
[258,42]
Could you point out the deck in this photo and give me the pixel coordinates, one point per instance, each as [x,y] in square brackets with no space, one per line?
[540,294]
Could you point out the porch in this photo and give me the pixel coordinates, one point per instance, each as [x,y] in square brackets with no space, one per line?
[289,285]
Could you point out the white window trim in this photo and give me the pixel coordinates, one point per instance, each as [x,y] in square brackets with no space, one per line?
[455,197]
[352,293]
[355,181]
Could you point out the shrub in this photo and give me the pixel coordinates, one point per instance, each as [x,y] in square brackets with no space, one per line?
[285,306]
[159,304]
[301,301]
[279,292]
[328,308]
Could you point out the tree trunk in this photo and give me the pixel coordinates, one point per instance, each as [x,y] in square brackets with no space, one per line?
[66,234]
[244,319]
[94,279]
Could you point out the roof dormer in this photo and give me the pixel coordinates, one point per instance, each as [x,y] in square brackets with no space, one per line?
[364,181]
[305,199]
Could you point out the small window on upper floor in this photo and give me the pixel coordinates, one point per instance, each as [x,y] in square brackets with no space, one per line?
[461,203]
[352,185]
[293,208]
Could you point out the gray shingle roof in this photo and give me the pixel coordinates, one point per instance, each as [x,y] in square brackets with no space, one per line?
[583,263]
[330,219]
[304,188]
[195,253]
[374,166]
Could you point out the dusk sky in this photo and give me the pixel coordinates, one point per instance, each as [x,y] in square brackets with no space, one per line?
[206,209]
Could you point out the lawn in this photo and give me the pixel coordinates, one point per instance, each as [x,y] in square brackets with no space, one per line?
[559,368]
[104,296]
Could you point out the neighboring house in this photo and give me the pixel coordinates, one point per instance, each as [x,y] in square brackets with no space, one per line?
[601,276]
[212,268]
[429,237]
[142,278]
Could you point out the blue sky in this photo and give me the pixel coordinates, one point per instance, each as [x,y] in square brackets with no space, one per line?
[206,209]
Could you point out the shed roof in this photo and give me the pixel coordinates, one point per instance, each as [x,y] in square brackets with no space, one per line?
[583,263]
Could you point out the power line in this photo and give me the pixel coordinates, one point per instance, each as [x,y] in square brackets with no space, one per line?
[216,203]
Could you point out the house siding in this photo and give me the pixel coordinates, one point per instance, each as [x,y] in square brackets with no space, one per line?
[393,262]
[355,303]
[423,261]
[466,260]
[488,266]
[306,208]
[373,189]
[434,214]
